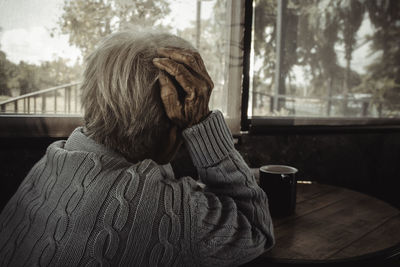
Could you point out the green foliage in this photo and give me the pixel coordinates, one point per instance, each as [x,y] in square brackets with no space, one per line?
[314,31]
[212,41]
[29,77]
[385,15]
[57,72]
[4,90]
[87,21]
[264,40]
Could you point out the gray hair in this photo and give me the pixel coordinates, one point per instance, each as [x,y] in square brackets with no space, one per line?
[121,94]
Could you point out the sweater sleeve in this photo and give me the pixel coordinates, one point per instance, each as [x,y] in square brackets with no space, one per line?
[232,224]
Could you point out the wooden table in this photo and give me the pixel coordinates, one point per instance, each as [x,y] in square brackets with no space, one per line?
[334,224]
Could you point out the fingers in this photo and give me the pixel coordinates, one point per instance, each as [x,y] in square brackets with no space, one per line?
[180,55]
[169,97]
[189,112]
[188,57]
[181,74]
[204,73]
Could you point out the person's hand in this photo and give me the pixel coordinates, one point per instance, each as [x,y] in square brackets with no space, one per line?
[188,69]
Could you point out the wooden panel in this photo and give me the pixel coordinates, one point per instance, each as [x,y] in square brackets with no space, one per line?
[384,236]
[329,226]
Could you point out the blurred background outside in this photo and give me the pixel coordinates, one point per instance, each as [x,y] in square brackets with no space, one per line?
[43,45]
[340,58]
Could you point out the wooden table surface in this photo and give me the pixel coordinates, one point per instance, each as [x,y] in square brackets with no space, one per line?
[333,223]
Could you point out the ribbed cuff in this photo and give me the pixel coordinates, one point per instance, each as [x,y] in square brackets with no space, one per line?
[209,141]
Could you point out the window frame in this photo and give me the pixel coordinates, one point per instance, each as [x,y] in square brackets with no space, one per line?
[269,124]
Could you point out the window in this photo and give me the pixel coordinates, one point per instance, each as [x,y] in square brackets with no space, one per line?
[42,55]
[308,60]
[325,58]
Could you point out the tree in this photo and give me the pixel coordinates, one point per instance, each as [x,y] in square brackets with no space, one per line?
[324,25]
[351,15]
[25,78]
[87,21]
[313,30]
[264,40]
[212,47]
[56,72]
[384,74]
[4,89]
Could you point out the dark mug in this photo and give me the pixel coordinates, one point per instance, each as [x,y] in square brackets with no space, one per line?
[279,183]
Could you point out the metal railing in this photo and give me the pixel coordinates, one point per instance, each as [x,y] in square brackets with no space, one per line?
[317,106]
[64,99]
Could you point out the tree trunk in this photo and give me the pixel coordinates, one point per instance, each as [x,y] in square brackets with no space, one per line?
[329,95]
[346,86]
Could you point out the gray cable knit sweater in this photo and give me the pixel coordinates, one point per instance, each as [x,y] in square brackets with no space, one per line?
[85,205]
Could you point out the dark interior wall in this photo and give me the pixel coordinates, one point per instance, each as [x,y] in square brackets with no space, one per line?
[17,157]
[367,162]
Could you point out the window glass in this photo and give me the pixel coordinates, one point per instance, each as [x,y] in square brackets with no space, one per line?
[338,58]
[43,43]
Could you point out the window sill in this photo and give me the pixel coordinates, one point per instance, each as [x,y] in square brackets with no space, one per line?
[279,125]
[54,125]
[57,126]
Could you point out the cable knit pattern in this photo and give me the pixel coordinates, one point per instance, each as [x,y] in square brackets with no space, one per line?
[85,205]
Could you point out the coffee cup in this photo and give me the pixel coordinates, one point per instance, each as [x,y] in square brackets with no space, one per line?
[279,183]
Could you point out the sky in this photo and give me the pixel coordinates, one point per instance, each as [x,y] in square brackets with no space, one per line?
[26,26]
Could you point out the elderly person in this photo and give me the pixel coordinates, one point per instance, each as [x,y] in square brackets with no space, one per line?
[108,194]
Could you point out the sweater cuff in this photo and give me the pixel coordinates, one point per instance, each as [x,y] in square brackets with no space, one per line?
[210,141]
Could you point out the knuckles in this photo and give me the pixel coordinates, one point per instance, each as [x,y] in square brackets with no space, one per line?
[190,59]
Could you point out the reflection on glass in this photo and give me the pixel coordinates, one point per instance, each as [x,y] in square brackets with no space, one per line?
[340,59]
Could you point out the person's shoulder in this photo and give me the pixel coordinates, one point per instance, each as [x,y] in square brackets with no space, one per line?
[146,166]
[145,169]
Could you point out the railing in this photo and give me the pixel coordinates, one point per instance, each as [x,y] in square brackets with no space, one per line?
[65,99]
[46,101]
[263,103]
